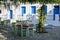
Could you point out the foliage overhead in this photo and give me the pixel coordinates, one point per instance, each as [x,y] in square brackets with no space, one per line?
[40,1]
[35,1]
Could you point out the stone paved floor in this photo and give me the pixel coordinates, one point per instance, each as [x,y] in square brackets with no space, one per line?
[53,34]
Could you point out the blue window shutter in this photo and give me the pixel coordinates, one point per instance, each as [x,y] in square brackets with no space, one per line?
[11,14]
[33,9]
[45,9]
[23,10]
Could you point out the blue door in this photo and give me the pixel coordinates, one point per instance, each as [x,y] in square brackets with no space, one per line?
[56,11]
[11,14]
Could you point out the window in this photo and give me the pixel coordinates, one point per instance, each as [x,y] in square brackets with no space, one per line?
[11,14]
[33,9]
[45,9]
[23,10]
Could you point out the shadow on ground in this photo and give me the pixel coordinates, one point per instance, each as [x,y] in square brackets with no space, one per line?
[53,34]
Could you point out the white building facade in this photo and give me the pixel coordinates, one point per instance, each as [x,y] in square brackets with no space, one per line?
[29,12]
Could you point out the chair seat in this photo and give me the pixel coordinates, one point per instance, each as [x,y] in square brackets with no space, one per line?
[30,28]
[24,27]
[18,25]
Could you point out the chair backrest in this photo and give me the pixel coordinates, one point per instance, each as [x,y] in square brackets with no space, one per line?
[31,25]
[2,22]
[13,24]
[25,24]
[18,22]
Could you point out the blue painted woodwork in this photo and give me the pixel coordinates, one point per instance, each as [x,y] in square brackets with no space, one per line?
[23,10]
[56,11]
[33,9]
[45,9]
[11,14]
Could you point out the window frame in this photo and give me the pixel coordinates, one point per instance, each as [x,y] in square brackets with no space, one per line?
[11,14]
[33,9]
[23,10]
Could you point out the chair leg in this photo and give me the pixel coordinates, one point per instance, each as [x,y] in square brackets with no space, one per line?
[27,32]
[33,32]
[21,32]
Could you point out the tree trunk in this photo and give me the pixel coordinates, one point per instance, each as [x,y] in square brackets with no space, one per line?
[41,20]
[42,12]
[42,23]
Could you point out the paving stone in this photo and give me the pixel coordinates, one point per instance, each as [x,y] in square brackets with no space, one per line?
[53,34]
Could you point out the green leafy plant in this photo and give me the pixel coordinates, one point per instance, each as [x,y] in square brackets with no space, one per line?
[41,19]
[41,12]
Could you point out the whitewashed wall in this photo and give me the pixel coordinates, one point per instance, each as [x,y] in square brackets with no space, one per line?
[17,13]
[49,17]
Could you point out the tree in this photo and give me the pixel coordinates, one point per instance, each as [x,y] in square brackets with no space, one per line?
[41,12]
[4,2]
[41,19]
